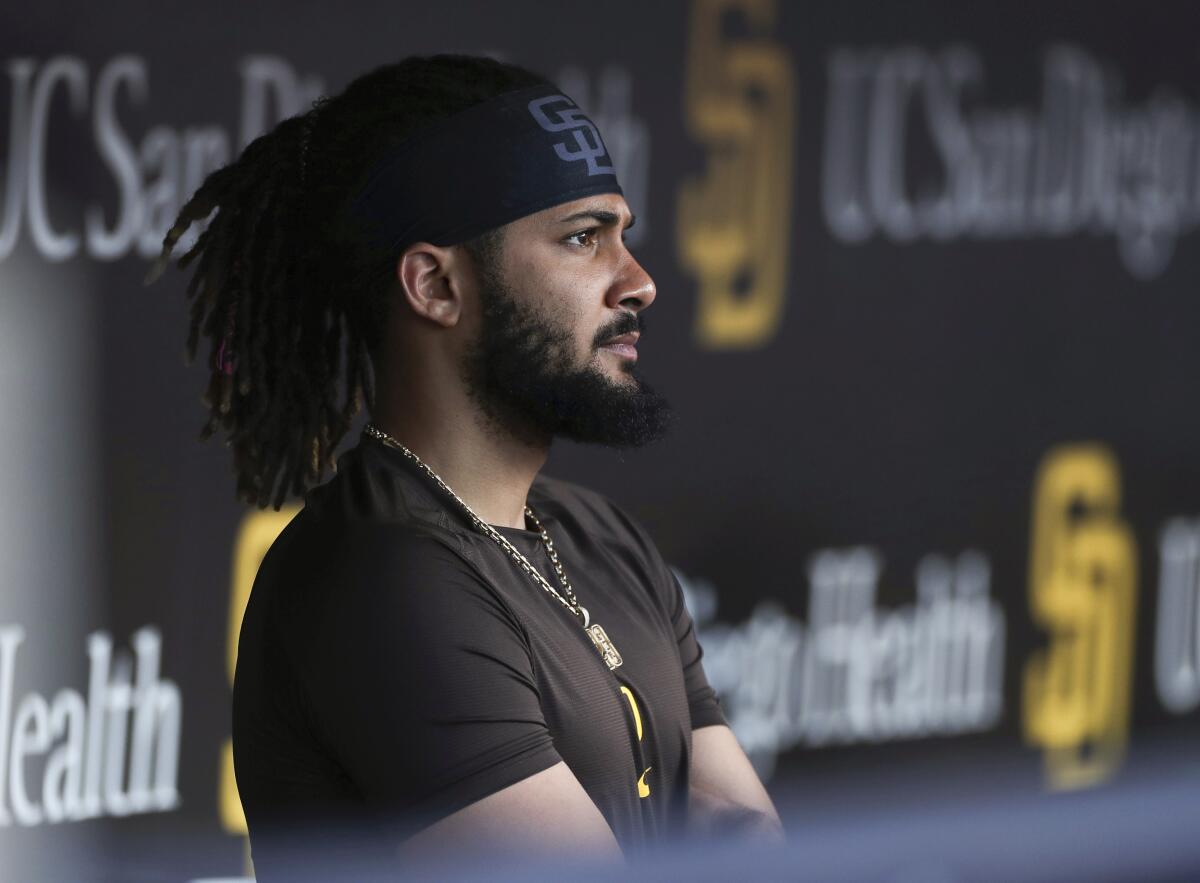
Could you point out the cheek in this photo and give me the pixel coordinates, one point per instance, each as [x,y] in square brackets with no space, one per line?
[568,296]
[563,299]
[582,326]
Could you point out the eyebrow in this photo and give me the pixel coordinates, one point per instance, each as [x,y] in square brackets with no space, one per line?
[602,216]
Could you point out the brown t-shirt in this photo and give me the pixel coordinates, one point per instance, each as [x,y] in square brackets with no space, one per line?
[396,664]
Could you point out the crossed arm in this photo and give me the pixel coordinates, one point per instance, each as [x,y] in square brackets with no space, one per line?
[725,796]
[550,814]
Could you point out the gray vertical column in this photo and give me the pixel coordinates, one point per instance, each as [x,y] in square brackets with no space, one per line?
[51,581]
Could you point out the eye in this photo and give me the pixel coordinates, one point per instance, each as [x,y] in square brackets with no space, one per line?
[583,238]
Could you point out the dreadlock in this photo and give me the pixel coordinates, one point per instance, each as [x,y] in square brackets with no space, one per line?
[289,295]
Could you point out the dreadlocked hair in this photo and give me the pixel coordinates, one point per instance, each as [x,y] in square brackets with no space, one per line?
[286,290]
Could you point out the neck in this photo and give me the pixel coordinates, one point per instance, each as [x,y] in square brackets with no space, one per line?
[489,468]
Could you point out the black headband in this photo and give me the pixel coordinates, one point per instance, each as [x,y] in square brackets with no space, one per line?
[511,156]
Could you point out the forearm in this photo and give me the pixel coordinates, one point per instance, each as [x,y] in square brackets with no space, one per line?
[725,796]
[712,817]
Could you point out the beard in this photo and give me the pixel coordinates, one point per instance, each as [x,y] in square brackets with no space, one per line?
[523,375]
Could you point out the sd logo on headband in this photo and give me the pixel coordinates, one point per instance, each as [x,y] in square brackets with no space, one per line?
[569,118]
[512,155]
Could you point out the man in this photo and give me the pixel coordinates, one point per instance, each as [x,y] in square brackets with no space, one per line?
[468,653]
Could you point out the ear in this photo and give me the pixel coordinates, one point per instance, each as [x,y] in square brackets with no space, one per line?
[431,280]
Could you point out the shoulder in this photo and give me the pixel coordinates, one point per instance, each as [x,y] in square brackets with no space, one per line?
[330,543]
[327,574]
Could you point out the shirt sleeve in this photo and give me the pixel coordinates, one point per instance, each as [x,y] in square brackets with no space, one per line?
[423,687]
[703,702]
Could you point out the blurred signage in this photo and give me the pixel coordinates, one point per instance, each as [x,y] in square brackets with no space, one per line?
[113,752]
[857,672]
[734,224]
[1177,648]
[1083,161]
[154,175]
[1083,592]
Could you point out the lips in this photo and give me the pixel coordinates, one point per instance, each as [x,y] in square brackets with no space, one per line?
[623,345]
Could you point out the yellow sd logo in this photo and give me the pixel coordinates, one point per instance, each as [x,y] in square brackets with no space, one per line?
[1082,589]
[734,225]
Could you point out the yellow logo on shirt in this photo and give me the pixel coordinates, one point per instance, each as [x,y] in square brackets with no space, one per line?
[642,788]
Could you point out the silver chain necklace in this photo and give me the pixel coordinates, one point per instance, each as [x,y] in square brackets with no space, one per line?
[600,639]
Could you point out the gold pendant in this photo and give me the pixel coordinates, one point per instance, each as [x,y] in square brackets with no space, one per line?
[606,647]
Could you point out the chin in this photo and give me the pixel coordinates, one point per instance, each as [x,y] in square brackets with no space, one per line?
[622,376]
[619,368]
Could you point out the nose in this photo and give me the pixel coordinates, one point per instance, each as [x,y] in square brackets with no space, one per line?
[633,289]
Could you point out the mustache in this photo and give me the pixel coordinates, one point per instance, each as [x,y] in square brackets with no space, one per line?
[627,323]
